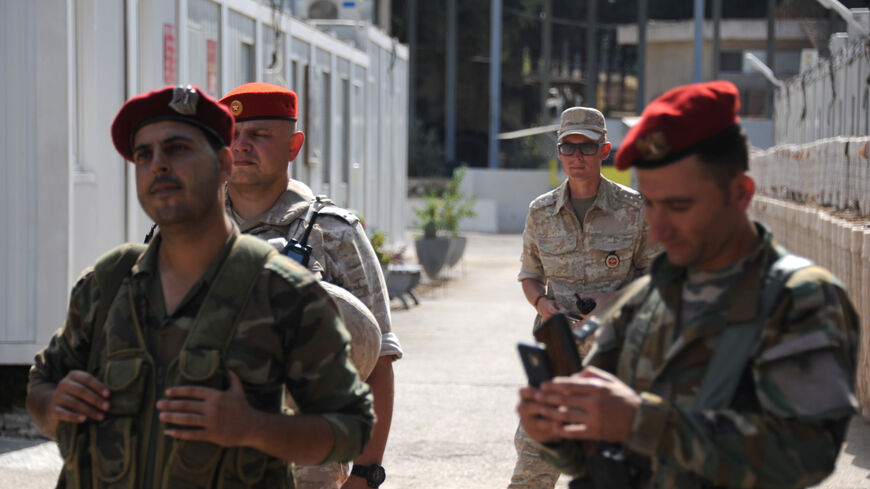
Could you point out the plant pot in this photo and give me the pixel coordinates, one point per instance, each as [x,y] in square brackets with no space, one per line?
[432,254]
[456,249]
[401,280]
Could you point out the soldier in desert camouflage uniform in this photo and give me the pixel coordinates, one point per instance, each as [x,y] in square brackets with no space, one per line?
[266,203]
[732,364]
[586,238]
[170,367]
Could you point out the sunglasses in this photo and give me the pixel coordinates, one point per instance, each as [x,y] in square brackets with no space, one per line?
[588,149]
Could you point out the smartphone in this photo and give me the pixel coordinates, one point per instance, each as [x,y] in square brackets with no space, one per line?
[537,364]
[561,346]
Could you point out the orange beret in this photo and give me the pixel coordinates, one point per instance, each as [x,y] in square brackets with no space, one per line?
[185,104]
[258,100]
[680,122]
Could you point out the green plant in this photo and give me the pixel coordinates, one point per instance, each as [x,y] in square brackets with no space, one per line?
[379,240]
[454,204]
[429,214]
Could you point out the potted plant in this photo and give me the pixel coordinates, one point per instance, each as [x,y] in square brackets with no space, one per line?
[431,248]
[401,279]
[455,207]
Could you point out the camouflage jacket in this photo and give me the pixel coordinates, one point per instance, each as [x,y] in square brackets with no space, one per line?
[288,335]
[341,253]
[788,418]
[610,250]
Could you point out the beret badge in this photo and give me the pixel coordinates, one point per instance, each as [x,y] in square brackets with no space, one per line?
[236,107]
[653,146]
[184,100]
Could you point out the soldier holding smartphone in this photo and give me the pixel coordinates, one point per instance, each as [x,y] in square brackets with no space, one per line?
[583,240]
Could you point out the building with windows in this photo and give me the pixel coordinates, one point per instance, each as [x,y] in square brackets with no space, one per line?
[670,45]
[67,196]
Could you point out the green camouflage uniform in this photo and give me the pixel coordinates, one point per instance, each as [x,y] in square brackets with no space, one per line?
[569,261]
[341,254]
[788,418]
[289,336]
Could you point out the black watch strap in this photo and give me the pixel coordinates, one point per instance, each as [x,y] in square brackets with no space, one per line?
[374,474]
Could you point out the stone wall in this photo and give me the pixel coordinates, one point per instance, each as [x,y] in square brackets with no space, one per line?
[816,200]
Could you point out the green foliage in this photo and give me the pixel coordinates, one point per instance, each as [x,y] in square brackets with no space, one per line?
[454,204]
[379,240]
[429,214]
[445,212]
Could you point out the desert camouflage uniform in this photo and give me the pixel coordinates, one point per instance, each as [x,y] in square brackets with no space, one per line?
[341,254]
[568,260]
[788,418]
[289,335]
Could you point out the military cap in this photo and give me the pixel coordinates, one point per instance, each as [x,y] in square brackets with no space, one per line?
[185,104]
[585,121]
[680,122]
[258,100]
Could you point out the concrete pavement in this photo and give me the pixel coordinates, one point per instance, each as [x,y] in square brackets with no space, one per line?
[456,388]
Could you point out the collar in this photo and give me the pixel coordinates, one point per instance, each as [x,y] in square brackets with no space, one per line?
[605,199]
[290,206]
[146,265]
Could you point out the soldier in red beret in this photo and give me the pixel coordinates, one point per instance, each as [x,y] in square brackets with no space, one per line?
[732,363]
[265,202]
[173,360]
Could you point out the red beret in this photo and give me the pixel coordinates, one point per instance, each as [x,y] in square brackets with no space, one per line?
[258,100]
[682,121]
[185,104]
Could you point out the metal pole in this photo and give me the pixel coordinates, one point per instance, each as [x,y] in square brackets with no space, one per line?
[412,74]
[641,54]
[450,85]
[494,81]
[717,37]
[591,98]
[546,57]
[698,54]
[771,51]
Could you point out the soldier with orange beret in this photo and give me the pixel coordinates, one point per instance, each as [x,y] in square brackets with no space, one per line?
[264,201]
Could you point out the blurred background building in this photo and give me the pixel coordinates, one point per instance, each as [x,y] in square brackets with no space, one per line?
[66,196]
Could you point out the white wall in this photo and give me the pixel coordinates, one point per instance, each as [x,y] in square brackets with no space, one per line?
[502,199]
[34,174]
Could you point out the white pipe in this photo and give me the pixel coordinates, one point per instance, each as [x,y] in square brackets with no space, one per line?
[844,12]
[764,70]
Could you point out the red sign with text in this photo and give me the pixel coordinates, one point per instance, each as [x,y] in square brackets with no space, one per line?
[211,53]
[170,57]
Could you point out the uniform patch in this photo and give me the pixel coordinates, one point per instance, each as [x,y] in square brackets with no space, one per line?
[612,260]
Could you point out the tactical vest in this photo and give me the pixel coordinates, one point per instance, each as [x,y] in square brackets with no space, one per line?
[129,448]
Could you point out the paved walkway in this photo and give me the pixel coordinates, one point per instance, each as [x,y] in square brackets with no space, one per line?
[456,388]
[457,385]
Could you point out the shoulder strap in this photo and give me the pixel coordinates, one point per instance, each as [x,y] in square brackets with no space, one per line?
[735,346]
[109,272]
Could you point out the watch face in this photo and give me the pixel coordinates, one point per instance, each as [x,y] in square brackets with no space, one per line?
[377,475]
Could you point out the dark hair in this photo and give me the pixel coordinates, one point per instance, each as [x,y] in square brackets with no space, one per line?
[727,158]
[213,141]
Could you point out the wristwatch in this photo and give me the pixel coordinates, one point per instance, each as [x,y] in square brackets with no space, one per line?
[374,474]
